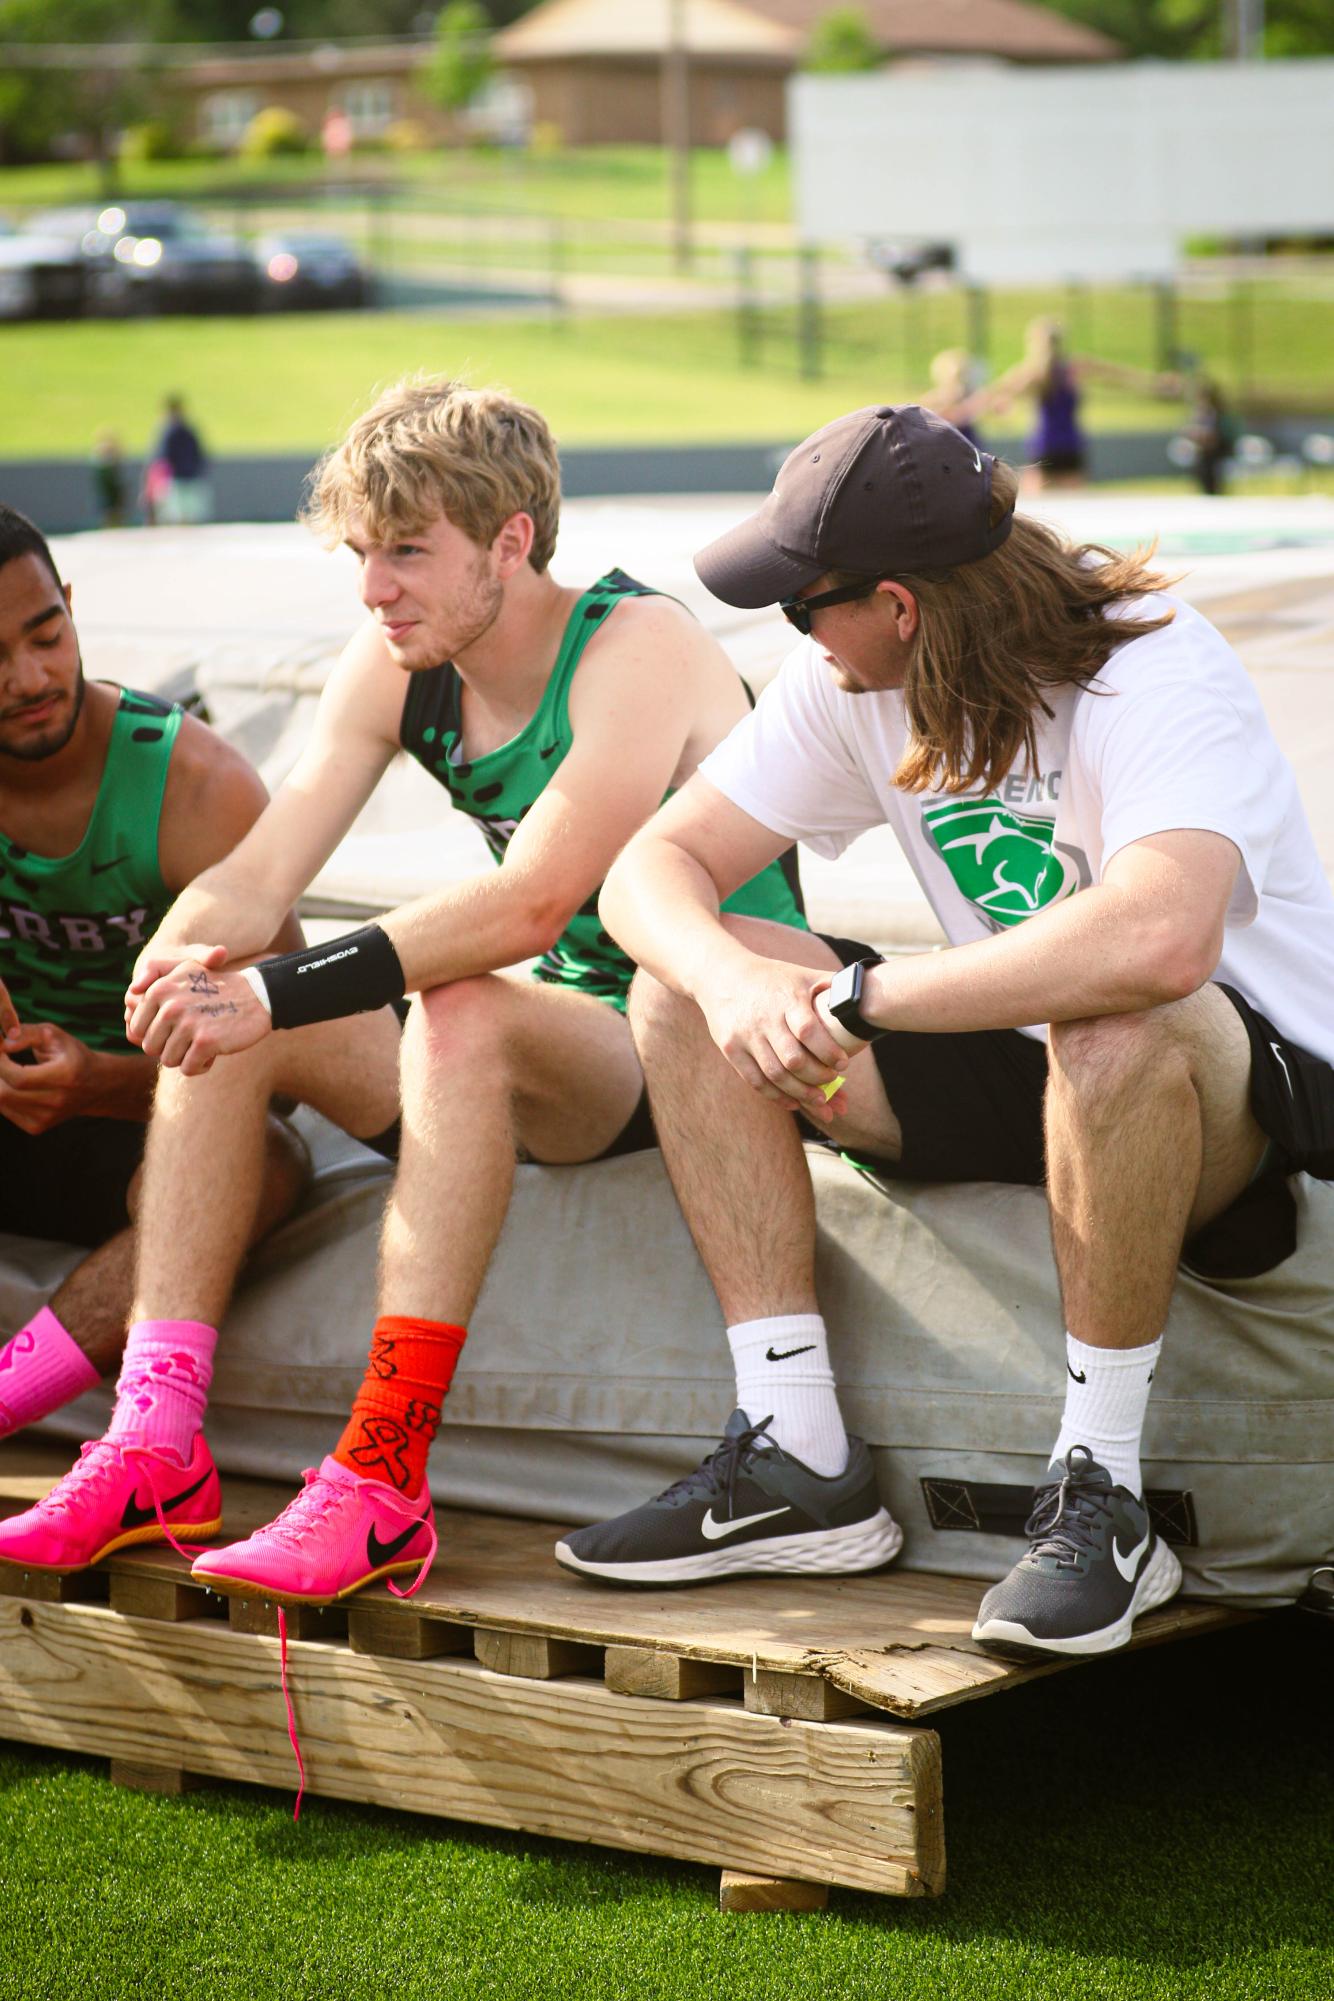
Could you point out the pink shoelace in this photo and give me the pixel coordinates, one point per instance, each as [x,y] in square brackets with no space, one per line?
[305,1512]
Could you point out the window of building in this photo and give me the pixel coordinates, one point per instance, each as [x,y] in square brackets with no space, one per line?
[224,116]
[368,107]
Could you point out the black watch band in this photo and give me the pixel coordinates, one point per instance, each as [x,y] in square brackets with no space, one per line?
[845,998]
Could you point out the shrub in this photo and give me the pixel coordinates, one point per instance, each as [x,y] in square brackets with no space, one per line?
[154,139]
[272,131]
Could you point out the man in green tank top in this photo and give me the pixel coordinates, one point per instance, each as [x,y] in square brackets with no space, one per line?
[558,718]
[111,802]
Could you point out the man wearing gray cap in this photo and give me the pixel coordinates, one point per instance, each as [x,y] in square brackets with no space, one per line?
[1133,1007]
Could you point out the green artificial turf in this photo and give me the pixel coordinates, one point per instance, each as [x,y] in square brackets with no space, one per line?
[1151,1828]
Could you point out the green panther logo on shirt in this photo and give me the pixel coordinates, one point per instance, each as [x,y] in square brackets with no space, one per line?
[1006,863]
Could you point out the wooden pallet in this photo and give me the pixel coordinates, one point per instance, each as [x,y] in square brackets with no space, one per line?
[769,1726]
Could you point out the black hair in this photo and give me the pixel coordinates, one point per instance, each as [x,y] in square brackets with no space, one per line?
[18,537]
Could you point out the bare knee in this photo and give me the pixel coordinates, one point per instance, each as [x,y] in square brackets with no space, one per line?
[469,1022]
[1100,1059]
[654,1011]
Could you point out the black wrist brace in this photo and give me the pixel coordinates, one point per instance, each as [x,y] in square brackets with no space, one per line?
[349,975]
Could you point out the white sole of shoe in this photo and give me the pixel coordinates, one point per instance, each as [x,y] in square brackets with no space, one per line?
[1159,1580]
[861,1546]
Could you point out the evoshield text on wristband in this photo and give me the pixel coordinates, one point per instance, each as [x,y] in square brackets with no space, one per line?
[348,975]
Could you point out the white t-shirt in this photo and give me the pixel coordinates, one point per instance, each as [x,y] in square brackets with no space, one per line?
[1171,735]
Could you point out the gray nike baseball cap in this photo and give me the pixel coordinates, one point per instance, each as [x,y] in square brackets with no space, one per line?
[882,490]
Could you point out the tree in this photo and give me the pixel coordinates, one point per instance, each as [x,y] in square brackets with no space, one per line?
[1204,29]
[460,62]
[43,100]
[842,42]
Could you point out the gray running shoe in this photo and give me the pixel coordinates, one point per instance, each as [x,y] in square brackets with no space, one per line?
[749,1507]
[1093,1566]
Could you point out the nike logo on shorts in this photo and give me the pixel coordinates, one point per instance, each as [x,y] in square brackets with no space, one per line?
[1287,1074]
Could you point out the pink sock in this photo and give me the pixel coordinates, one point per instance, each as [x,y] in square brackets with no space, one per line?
[42,1368]
[163,1388]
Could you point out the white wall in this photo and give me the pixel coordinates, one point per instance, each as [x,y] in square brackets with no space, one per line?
[1061,173]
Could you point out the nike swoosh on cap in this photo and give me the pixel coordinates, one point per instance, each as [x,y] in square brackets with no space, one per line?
[134,1516]
[1128,1565]
[713,1531]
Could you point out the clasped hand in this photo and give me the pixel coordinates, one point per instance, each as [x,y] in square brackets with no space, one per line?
[52,1084]
[185,1010]
[778,1035]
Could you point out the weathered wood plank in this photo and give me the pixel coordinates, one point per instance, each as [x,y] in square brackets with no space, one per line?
[43,1587]
[140,1778]
[667,1677]
[304,1622]
[160,1596]
[739,1892]
[537,1656]
[854,1803]
[898,1640]
[808,1696]
[387,1630]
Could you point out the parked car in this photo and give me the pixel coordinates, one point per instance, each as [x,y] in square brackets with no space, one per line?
[304,269]
[158,257]
[41,276]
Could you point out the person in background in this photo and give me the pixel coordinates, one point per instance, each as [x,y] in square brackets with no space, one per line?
[180,449]
[1057,448]
[109,480]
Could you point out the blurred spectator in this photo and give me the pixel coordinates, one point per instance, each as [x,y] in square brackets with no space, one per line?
[1057,448]
[1211,430]
[953,393]
[180,449]
[110,482]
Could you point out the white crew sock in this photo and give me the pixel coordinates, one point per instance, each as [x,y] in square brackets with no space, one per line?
[1106,1397]
[783,1373]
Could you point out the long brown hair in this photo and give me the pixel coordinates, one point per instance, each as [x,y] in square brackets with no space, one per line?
[994,635]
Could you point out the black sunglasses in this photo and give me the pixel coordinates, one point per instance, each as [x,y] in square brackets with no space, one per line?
[797,611]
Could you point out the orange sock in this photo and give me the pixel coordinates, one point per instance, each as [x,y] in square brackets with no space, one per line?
[397,1408]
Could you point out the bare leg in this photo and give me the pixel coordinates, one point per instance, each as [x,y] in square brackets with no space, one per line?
[95,1302]
[203,1166]
[735,1158]
[1149,1136]
[492,1067]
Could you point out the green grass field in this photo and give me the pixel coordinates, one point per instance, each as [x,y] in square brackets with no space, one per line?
[292,382]
[1151,1828]
[594,182]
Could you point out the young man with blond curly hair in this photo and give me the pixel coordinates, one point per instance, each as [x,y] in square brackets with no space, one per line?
[557,718]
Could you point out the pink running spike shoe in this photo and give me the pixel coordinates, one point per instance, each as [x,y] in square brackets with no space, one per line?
[112,1496]
[341,1532]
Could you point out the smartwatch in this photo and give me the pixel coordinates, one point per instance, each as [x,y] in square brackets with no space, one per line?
[844,998]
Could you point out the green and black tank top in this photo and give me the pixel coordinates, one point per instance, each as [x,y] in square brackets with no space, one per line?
[498,789]
[71,926]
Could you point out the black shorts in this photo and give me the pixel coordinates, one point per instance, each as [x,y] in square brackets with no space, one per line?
[70,1183]
[636,1135]
[969,1107]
